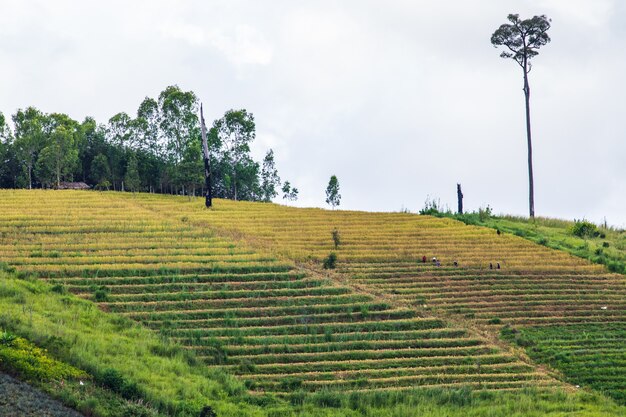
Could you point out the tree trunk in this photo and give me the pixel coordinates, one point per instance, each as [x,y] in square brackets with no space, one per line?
[531,188]
[459,196]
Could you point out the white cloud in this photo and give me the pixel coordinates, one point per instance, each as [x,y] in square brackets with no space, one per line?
[243,46]
[400,101]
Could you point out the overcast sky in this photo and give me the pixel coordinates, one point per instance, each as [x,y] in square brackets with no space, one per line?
[400,99]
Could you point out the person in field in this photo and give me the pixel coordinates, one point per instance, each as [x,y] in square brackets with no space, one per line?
[424,259]
[490,265]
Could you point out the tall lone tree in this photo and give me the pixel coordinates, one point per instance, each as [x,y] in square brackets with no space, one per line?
[521,40]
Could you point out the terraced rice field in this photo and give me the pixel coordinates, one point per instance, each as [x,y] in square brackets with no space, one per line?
[165,262]
[588,354]
[381,253]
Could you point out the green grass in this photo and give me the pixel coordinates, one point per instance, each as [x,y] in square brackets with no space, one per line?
[75,331]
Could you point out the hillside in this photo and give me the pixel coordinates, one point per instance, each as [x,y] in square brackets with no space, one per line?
[242,287]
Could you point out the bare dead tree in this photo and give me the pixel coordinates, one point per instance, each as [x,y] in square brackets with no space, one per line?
[207,160]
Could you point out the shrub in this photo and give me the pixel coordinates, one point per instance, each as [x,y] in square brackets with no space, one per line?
[58,288]
[433,207]
[495,320]
[331,261]
[101,294]
[336,238]
[584,229]
[605,244]
[207,411]
[507,332]
[485,213]
[115,381]
[103,185]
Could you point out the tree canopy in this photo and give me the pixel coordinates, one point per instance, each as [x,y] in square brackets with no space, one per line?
[159,150]
[522,38]
[333,198]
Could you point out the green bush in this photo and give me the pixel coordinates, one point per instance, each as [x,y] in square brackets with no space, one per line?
[115,381]
[331,261]
[485,213]
[336,238]
[19,356]
[101,294]
[584,229]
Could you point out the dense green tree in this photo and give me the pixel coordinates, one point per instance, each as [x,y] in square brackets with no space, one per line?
[8,161]
[178,120]
[119,134]
[101,172]
[146,126]
[29,139]
[87,130]
[270,181]
[120,130]
[289,193]
[132,182]
[521,40]
[332,192]
[232,135]
[161,145]
[5,130]
[189,173]
[59,158]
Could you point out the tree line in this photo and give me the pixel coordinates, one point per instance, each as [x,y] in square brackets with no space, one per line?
[159,150]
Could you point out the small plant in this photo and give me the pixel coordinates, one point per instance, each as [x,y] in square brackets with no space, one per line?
[115,381]
[605,244]
[101,294]
[432,207]
[58,288]
[508,332]
[336,238]
[7,338]
[495,320]
[103,186]
[330,261]
[485,213]
[207,411]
